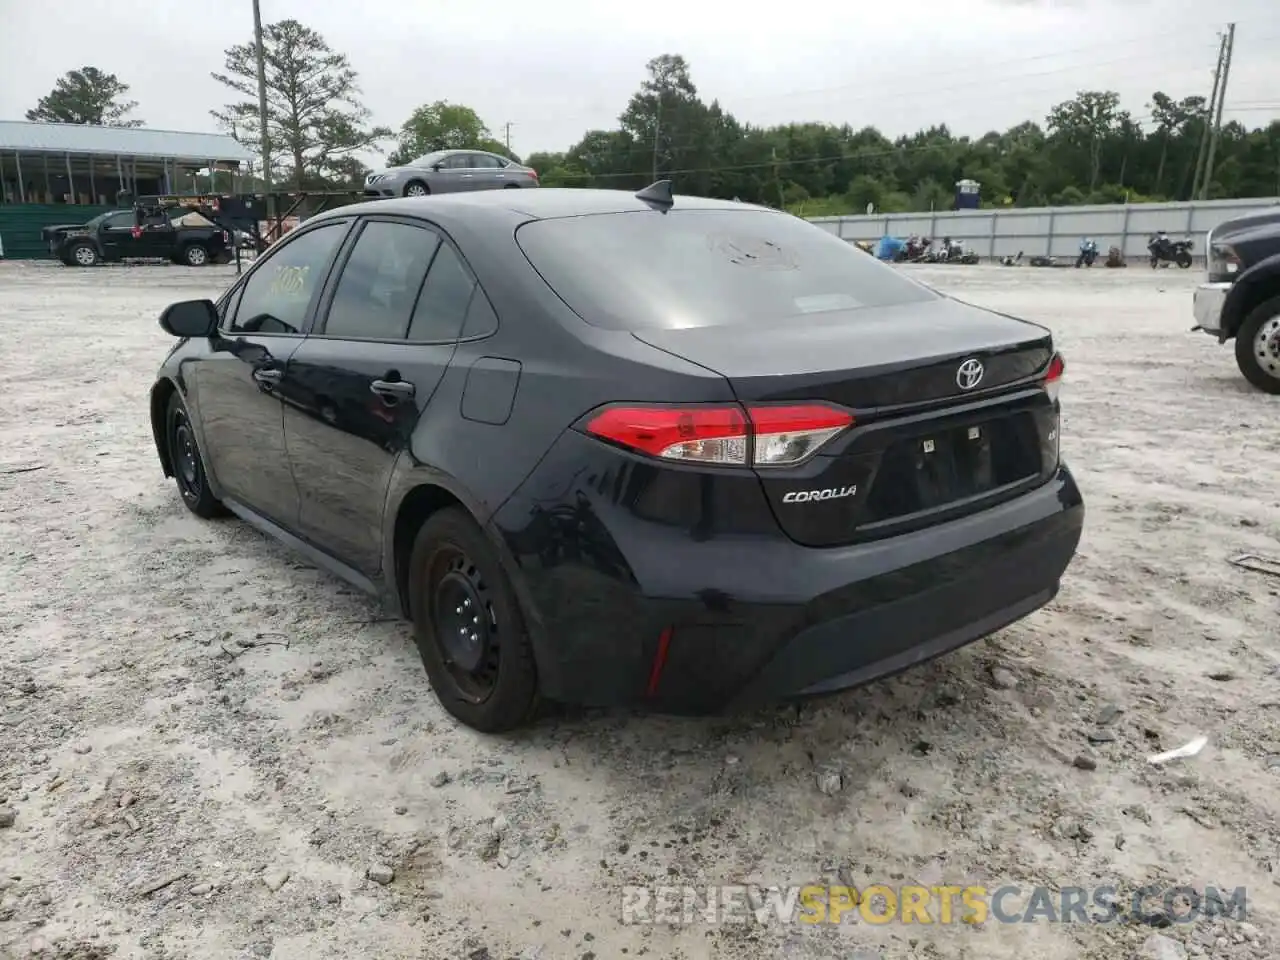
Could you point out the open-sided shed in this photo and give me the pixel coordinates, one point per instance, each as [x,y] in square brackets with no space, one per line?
[81,164]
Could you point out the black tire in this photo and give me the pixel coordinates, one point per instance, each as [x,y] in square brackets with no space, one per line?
[1155,262]
[1261,367]
[1183,259]
[188,467]
[83,255]
[419,184]
[195,255]
[511,186]
[469,628]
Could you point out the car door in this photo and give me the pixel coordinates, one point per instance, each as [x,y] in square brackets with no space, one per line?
[116,237]
[453,175]
[383,337]
[237,383]
[486,172]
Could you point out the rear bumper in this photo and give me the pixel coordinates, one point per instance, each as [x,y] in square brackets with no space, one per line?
[695,627]
[1207,307]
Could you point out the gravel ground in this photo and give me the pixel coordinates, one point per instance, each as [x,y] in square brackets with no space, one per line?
[211,750]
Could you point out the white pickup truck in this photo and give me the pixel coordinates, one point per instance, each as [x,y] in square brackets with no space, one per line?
[1241,299]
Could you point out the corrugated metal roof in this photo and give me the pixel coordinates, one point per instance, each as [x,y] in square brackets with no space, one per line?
[126,141]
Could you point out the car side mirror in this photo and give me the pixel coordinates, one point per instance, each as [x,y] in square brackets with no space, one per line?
[190,318]
[437,167]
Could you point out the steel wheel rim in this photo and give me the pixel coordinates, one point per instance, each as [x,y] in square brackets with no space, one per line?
[85,256]
[186,459]
[464,622]
[1266,346]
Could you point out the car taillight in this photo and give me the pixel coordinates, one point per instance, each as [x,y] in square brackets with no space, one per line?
[533,173]
[763,436]
[1053,376]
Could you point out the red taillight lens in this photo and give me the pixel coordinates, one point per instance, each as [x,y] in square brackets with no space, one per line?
[1053,376]
[764,436]
[533,173]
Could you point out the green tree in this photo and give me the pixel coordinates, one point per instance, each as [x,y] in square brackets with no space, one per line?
[443,126]
[1086,123]
[315,117]
[89,96]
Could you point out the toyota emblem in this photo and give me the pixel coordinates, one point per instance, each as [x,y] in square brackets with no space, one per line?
[969,375]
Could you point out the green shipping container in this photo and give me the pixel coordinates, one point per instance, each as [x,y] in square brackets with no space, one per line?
[21,223]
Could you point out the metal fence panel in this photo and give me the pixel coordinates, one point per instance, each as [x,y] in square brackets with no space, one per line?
[1053,231]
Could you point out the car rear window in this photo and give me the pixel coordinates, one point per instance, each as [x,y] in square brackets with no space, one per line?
[706,268]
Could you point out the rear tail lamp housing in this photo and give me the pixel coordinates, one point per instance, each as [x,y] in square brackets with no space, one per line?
[729,435]
[1053,376]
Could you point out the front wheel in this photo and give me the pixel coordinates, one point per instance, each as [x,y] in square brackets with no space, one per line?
[83,255]
[1258,346]
[1155,262]
[188,467]
[416,188]
[1183,259]
[468,626]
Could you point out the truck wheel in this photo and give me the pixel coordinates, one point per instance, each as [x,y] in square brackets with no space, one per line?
[1258,346]
[83,255]
[195,255]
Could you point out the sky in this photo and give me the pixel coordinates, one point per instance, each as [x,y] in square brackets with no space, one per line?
[554,69]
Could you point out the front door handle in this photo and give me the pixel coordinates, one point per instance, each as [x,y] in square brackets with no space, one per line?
[392,389]
[268,376]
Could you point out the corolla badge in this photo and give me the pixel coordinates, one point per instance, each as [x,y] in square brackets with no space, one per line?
[969,374]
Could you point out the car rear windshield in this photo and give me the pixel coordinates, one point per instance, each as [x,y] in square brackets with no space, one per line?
[706,268]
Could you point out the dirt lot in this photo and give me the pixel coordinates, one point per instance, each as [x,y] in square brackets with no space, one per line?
[208,745]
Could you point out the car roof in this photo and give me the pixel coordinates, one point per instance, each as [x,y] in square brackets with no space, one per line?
[541,203]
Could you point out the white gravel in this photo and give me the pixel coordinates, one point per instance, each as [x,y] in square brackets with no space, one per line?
[276,786]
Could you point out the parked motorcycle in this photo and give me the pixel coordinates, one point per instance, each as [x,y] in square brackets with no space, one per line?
[914,250]
[953,251]
[1088,253]
[1165,250]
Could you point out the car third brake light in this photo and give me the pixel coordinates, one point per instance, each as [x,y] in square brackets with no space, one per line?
[782,436]
[1053,376]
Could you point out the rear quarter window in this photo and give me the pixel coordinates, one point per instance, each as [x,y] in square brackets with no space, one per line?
[706,268]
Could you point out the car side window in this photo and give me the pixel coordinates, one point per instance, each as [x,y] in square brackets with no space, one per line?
[375,294]
[118,221]
[459,161]
[277,295]
[484,161]
[445,296]
[481,321]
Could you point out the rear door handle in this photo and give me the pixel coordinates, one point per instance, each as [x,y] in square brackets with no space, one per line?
[392,389]
[270,376]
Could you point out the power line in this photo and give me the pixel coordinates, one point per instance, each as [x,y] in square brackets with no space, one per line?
[774,162]
[992,80]
[941,96]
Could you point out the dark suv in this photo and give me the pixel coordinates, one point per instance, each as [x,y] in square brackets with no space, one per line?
[622,449]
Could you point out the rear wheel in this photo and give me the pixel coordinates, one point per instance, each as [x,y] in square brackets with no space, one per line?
[1258,346]
[188,468]
[416,188]
[468,626]
[195,255]
[84,255]
[1183,258]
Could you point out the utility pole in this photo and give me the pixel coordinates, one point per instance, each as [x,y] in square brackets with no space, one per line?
[1208,119]
[1217,123]
[657,131]
[260,54]
[508,137]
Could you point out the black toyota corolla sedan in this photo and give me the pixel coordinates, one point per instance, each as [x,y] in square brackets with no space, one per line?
[609,448]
